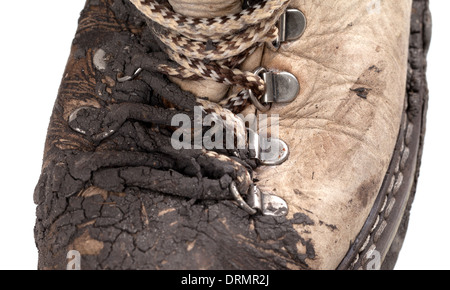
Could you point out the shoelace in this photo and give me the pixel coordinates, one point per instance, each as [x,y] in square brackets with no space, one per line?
[227,172]
[213,48]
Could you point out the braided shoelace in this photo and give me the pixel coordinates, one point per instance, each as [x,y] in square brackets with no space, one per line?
[213,48]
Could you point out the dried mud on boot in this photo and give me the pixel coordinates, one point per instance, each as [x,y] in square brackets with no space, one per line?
[113,188]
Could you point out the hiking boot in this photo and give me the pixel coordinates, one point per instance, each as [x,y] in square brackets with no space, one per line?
[235,135]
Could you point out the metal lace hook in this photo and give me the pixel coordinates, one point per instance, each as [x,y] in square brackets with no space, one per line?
[291,26]
[253,98]
[129,78]
[266,204]
[262,108]
[280,87]
[241,202]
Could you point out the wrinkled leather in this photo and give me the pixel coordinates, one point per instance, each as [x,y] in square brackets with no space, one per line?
[340,143]
[206,8]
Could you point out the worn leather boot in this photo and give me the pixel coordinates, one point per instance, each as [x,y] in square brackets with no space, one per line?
[302,150]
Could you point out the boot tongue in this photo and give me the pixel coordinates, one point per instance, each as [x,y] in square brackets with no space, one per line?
[206,8]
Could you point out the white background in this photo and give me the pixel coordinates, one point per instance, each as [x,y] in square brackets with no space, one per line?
[36,38]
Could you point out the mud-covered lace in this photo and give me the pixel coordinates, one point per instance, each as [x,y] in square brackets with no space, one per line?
[213,48]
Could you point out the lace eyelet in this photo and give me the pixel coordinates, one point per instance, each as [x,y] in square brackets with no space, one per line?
[291,26]
[260,107]
[281,87]
[264,203]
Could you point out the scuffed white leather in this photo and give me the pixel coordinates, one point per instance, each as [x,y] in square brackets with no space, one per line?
[341,144]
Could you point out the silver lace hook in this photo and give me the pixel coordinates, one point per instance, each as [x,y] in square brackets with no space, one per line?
[241,202]
[129,78]
[262,108]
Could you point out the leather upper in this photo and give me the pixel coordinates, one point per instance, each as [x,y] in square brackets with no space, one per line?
[351,63]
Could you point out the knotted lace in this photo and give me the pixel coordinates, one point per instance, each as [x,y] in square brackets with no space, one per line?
[213,48]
